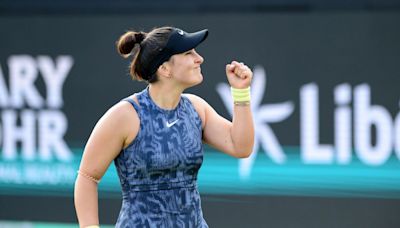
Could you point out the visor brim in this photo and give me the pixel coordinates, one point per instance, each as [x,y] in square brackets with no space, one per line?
[180,41]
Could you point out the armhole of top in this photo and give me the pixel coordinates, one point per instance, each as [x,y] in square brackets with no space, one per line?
[135,103]
[194,109]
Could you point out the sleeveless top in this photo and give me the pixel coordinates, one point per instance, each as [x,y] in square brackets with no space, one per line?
[158,170]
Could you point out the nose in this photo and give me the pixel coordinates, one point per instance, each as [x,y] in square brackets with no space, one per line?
[198,58]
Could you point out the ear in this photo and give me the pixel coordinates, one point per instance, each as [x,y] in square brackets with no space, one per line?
[164,70]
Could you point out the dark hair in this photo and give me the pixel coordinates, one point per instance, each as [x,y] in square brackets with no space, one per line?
[143,47]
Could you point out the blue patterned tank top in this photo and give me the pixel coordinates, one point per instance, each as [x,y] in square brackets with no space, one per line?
[158,170]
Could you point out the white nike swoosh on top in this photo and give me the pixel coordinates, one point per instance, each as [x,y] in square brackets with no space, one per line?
[172,123]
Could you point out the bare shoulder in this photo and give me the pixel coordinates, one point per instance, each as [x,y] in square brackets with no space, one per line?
[194,98]
[199,104]
[122,120]
[197,101]
[123,110]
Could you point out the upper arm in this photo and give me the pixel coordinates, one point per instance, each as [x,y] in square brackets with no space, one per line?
[216,129]
[114,131]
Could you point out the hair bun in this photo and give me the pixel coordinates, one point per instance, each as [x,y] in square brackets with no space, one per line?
[127,41]
[139,37]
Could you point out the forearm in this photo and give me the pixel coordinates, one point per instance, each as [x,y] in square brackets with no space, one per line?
[242,131]
[86,201]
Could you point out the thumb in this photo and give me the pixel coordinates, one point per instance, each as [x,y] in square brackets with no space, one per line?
[230,67]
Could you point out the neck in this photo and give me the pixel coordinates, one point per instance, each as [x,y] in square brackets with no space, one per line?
[165,96]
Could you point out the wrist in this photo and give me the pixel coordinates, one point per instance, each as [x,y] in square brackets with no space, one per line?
[241,96]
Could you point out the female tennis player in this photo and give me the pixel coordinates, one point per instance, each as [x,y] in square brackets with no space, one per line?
[155,136]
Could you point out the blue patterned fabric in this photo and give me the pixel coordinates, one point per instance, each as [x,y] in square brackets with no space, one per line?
[158,170]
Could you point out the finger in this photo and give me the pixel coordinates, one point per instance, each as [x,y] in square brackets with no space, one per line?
[238,71]
[244,74]
[240,63]
[241,70]
[236,63]
[230,67]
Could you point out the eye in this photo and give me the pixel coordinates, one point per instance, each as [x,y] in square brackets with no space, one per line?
[189,52]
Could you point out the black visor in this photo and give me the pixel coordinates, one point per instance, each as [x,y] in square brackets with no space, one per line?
[178,42]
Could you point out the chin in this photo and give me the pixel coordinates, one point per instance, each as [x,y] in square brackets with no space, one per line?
[201,77]
[197,80]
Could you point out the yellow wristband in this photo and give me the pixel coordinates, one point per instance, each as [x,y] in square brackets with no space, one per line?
[241,95]
[92,226]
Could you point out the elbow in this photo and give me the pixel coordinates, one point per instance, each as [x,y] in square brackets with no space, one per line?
[243,156]
[244,148]
[244,153]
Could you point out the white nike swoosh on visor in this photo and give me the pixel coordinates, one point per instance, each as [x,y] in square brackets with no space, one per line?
[172,123]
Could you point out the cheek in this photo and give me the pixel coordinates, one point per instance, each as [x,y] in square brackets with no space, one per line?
[183,71]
